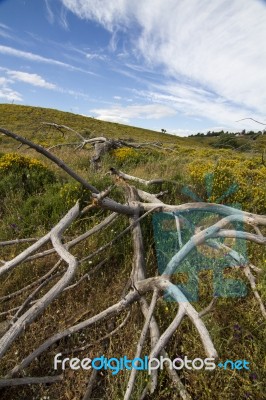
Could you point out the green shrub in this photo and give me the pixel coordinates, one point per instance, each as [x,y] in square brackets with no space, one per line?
[20,173]
[229,141]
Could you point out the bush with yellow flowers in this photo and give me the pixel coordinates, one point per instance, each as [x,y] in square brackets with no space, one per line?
[125,155]
[13,161]
[21,173]
[71,192]
[128,156]
[230,181]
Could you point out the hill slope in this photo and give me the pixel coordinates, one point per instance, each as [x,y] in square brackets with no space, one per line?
[25,120]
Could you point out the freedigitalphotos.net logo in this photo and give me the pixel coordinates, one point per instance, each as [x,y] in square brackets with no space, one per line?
[173,231]
[145,364]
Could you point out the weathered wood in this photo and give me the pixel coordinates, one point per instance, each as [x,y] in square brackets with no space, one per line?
[30,381]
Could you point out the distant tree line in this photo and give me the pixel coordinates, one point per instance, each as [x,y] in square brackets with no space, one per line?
[221,133]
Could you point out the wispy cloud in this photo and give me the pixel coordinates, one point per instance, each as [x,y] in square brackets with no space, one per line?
[96,56]
[60,17]
[36,57]
[195,102]
[63,18]
[3,81]
[5,31]
[4,26]
[32,79]
[74,93]
[50,14]
[217,47]
[10,95]
[108,13]
[124,114]
[4,34]
[12,77]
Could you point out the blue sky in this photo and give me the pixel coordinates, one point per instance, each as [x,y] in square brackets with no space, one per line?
[182,65]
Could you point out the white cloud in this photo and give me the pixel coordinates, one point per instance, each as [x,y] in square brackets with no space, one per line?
[10,95]
[36,80]
[32,79]
[124,114]
[4,31]
[182,132]
[3,26]
[108,13]
[63,19]
[74,93]
[95,56]
[192,102]
[4,34]
[6,93]
[36,57]
[3,81]
[50,14]
[215,45]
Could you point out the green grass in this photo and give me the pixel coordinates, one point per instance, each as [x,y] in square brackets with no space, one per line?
[25,120]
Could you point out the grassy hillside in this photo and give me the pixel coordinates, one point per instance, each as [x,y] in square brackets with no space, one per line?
[34,195]
[25,120]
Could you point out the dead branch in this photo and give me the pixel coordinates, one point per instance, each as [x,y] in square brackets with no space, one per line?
[209,308]
[91,383]
[30,381]
[86,276]
[97,228]
[31,285]
[29,316]
[110,311]
[127,177]
[252,281]
[17,241]
[252,119]
[63,145]
[24,255]
[212,207]
[126,230]
[140,344]
[61,128]
[102,145]
[51,157]
[31,296]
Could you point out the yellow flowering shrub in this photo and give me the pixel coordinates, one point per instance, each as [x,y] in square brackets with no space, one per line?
[128,155]
[19,172]
[70,193]
[231,181]
[14,160]
[124,153]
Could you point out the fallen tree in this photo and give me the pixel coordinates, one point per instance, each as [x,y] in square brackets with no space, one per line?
[141,288]
[101,145]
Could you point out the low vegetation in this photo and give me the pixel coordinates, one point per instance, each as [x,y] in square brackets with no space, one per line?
[34,196]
